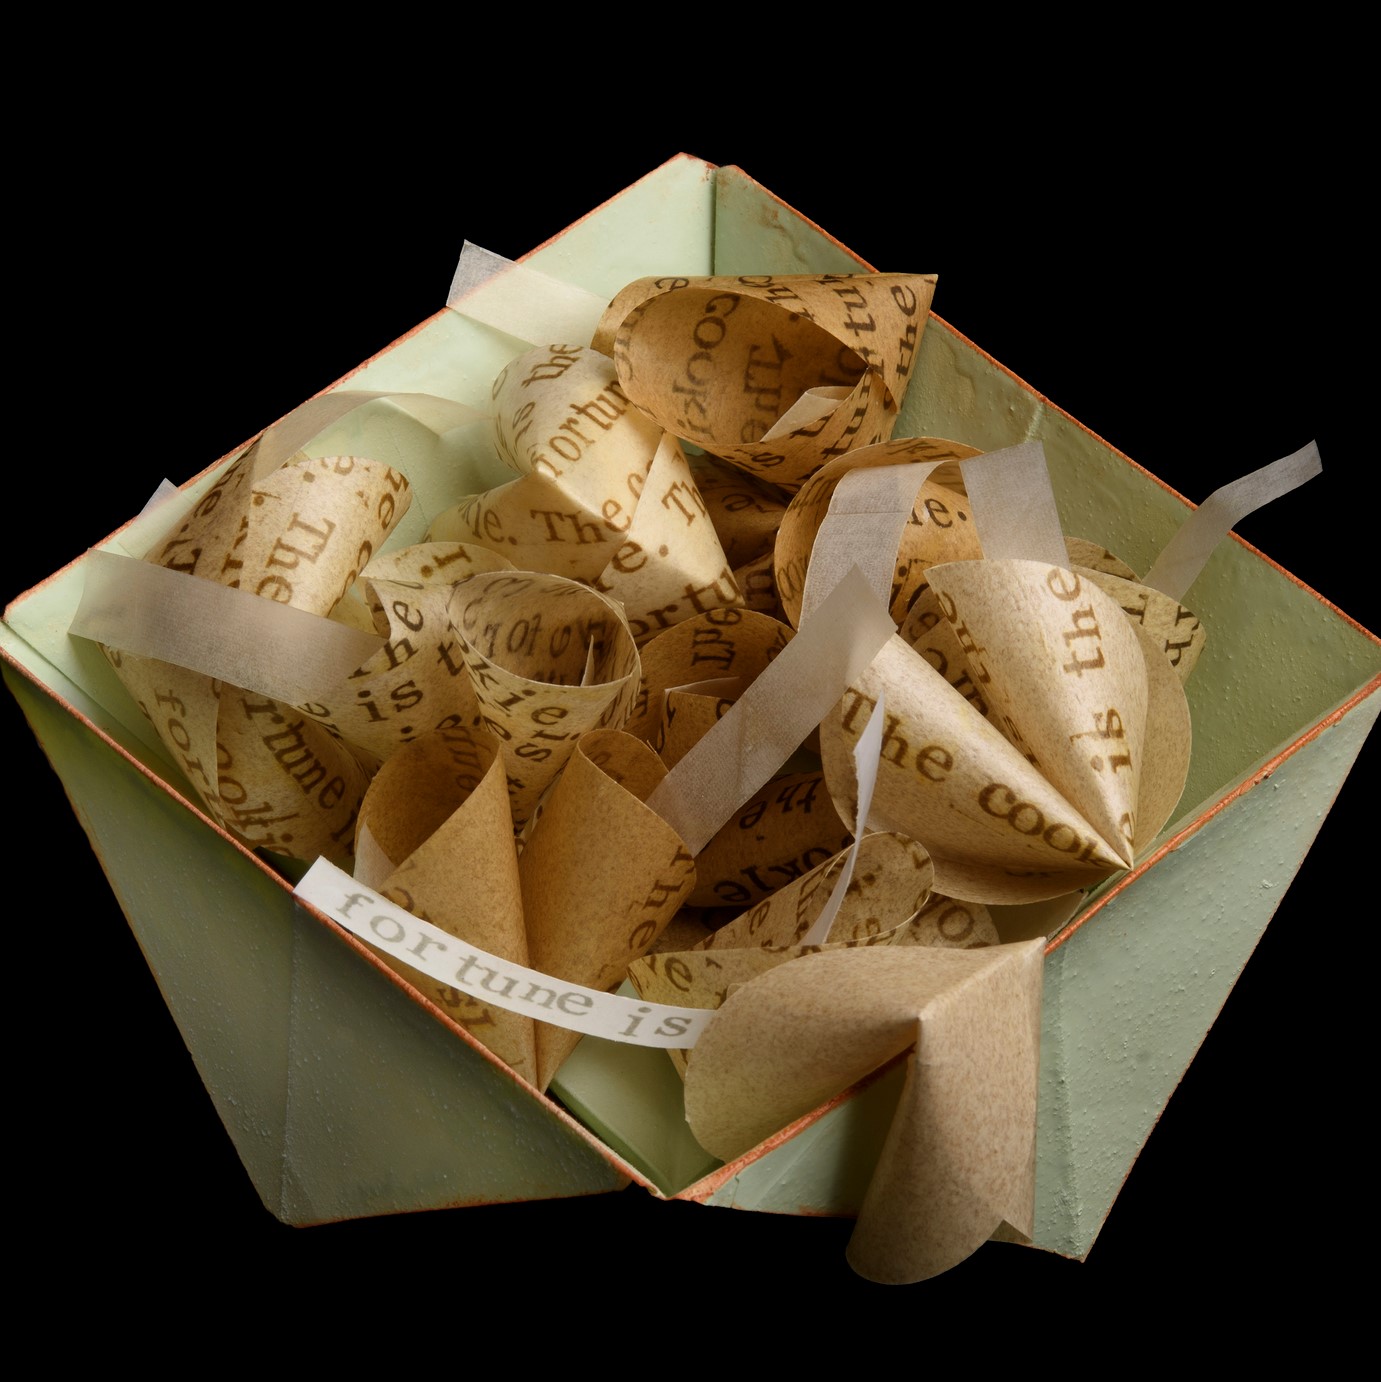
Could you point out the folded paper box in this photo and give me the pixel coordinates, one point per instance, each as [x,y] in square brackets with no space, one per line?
[255,985]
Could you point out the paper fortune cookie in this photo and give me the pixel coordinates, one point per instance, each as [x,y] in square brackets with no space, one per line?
[602,874]
[299,536]
[774,374]
[959,1157]
[436,837]
[1079,764]
[549,659]
[604,495]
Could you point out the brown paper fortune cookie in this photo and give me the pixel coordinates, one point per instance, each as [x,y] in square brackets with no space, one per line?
[603,496]
[774,374]
[299,534]
[549,659]
[597,880]
[798,1026]
[959,1157]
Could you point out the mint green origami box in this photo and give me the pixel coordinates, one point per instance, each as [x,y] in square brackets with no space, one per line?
[430,1121]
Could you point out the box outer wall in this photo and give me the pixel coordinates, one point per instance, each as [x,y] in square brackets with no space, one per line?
[1340,751]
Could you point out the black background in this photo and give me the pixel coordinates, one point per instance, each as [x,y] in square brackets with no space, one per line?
[1183,302]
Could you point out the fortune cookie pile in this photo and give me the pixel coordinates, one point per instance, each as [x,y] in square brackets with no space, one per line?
[590,620]
[530,703]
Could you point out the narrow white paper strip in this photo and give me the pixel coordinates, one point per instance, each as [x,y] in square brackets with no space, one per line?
[491,979]
[863,527]
[284,653]
[1013,505]
[767,724]
[1178,566]
[867,754]
[286,438]
[1010,497]
[522,302]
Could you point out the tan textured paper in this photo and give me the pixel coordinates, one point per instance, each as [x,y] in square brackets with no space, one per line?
[959,1159]
[746,513]
[892,881]
[1080,715]
[999,681]
[417,680]
[760,732]
[1043,796]
[784,830]
[549,659]
[1175,630]
[719,361]
[889,902]
[602,874]
[718,646]
[439,808]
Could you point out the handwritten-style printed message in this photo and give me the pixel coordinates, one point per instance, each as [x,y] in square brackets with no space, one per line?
[490,979]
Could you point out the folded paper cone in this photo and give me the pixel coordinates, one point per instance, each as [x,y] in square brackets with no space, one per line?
[722,362]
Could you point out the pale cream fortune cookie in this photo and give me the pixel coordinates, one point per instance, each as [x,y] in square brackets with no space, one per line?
[716,649]
[746,514]
[990,705]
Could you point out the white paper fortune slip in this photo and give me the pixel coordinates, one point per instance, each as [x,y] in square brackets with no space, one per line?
[232,635]
[498,981]
[514,987]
